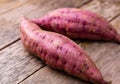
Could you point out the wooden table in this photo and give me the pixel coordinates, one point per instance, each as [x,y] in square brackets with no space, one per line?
[19,66]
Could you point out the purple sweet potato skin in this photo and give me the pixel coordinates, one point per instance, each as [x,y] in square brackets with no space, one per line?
[78,24]
[59,52]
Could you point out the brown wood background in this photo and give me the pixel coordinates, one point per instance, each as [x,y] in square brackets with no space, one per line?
[19,66]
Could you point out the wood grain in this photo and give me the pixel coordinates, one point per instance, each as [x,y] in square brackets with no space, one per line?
[13,4]
[105,55]
[16,64]
[50,76]
[116,24]
[9,18]
[106,8]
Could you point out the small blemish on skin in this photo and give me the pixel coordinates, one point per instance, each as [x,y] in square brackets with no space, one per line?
[88,79]
[57,47]
[66,52]
[51,41]
[22,32]
[40,36]
[57,58]
[94,24]
[69,20]
[83,22]
[80,54]
[30,42]
[33,44]
[74,46]
[91,73]
[37,33]
[74,66]
[84,61]
[80,71]
[87,67]
[24,38]
[43,37]
[45,53]
[93,30]
[41,51]
[60,48]
[110,28]
[36,45]
[43,21]
[85,64]
[64,62]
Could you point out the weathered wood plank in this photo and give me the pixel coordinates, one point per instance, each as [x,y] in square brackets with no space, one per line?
[16,64]
[103,7]
[9,27]
[19,77]
[105,55]
[116,24]
[50,76]
[8,5]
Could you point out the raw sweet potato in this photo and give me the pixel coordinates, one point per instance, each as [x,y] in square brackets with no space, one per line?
[59,52]
[78,24]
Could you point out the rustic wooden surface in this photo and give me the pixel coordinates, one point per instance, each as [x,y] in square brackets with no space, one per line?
[29,8]
[19,66]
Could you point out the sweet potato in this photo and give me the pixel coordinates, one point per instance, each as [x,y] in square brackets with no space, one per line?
[59,52]
[78,24]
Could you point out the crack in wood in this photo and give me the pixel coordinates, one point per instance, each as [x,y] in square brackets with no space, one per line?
[10,44]
[31,74]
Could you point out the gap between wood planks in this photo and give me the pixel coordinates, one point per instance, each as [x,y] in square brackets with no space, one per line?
[114,17]
[32,74]
[19,37]
[10,44]
[28,1]
[14,41]
[45,65]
